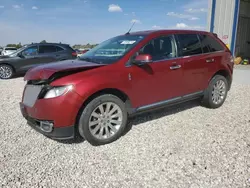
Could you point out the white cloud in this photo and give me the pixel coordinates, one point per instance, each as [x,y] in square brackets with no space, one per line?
[34,8]
[194,18]
[183,16]
[114,8]
[185,26]
[135,21]
[1,6]
[192,10]
[181,25]
[156,27]
[17,6]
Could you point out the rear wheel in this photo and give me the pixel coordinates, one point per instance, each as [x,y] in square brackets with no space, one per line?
[216,93]
[6,71]
[103,120]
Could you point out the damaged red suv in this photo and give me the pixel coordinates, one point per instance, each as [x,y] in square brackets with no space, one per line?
[132,73]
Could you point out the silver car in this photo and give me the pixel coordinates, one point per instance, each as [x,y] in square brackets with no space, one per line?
[8,50]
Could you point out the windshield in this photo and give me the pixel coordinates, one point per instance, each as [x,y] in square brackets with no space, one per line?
[111,50]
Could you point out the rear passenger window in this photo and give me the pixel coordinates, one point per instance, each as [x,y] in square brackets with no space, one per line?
[47,49]
[211,44]
[190,44]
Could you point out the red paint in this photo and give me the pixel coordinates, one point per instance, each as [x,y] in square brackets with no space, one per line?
[150,83]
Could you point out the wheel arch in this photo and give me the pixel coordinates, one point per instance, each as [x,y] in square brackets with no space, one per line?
[13,68]
[116,92]
[226,74]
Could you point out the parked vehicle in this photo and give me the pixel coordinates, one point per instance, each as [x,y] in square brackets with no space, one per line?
[123,76]
[80,52]
[8,50]
[33,55]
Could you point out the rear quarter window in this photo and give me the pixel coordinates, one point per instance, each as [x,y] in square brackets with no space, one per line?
[59,49]
[189,44]
[209,44]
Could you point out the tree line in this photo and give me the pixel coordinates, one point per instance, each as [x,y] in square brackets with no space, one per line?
[76,46]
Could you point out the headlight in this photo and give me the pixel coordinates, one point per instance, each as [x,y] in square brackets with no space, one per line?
[57,91]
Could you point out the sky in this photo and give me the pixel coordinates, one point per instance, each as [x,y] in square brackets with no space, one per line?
[93,21]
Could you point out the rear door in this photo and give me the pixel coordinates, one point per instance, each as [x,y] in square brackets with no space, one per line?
[195,68]
[160,80]
[214,55]
[47,53]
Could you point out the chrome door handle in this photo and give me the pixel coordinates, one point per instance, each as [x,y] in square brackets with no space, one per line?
[210,60]
[175,67]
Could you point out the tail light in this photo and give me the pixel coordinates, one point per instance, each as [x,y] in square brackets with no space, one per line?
[74,54]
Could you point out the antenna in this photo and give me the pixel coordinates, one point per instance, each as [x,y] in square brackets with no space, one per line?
[130,28]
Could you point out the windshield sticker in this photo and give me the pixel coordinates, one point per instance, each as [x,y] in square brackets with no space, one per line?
[128,42]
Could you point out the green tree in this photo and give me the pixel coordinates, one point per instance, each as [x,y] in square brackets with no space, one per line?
[43,41]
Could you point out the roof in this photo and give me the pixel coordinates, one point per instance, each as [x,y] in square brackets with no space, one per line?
[147,32]
[47,43]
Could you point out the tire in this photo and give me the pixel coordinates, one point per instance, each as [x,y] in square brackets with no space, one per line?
[6,71]
[209,98]
[103,122]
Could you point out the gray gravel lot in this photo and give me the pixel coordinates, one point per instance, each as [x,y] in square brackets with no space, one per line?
[186,146]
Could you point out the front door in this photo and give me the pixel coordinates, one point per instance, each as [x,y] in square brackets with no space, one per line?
[28,58]
[160,80]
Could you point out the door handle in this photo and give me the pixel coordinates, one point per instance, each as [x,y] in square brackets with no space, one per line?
[210,60]
[175,67]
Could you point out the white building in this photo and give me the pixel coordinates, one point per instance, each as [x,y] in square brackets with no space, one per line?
[230,19]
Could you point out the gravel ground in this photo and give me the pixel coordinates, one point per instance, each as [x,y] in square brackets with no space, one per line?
[187,146]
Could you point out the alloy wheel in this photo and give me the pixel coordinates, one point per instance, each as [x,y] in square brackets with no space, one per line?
[105,120]
[218,92]
[5,72]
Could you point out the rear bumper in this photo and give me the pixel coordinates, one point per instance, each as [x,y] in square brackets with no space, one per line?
[57,133]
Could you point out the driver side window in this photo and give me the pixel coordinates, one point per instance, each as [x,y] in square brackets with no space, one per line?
[31,51]
[160,48]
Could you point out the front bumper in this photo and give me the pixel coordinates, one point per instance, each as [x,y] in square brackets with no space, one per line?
[57,133]
[59,113]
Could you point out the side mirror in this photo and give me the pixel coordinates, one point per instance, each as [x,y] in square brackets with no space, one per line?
[142,59]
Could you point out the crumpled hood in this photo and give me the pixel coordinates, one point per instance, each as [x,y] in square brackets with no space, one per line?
[44,72]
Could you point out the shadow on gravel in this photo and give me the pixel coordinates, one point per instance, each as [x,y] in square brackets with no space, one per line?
[157,114]
[144,117]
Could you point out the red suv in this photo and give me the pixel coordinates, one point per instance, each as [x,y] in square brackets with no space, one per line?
[95,94]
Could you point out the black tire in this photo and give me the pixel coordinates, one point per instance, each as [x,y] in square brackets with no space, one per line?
[83,124]
[207,100]
[10,71]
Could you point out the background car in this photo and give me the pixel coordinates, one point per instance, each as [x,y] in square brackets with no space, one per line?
[80,52]
[33,55]
[8,50]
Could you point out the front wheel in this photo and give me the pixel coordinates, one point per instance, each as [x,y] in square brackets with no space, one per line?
[103,120]
[216,93]
[6,71]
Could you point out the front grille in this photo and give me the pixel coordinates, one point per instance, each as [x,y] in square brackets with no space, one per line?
[31,93]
